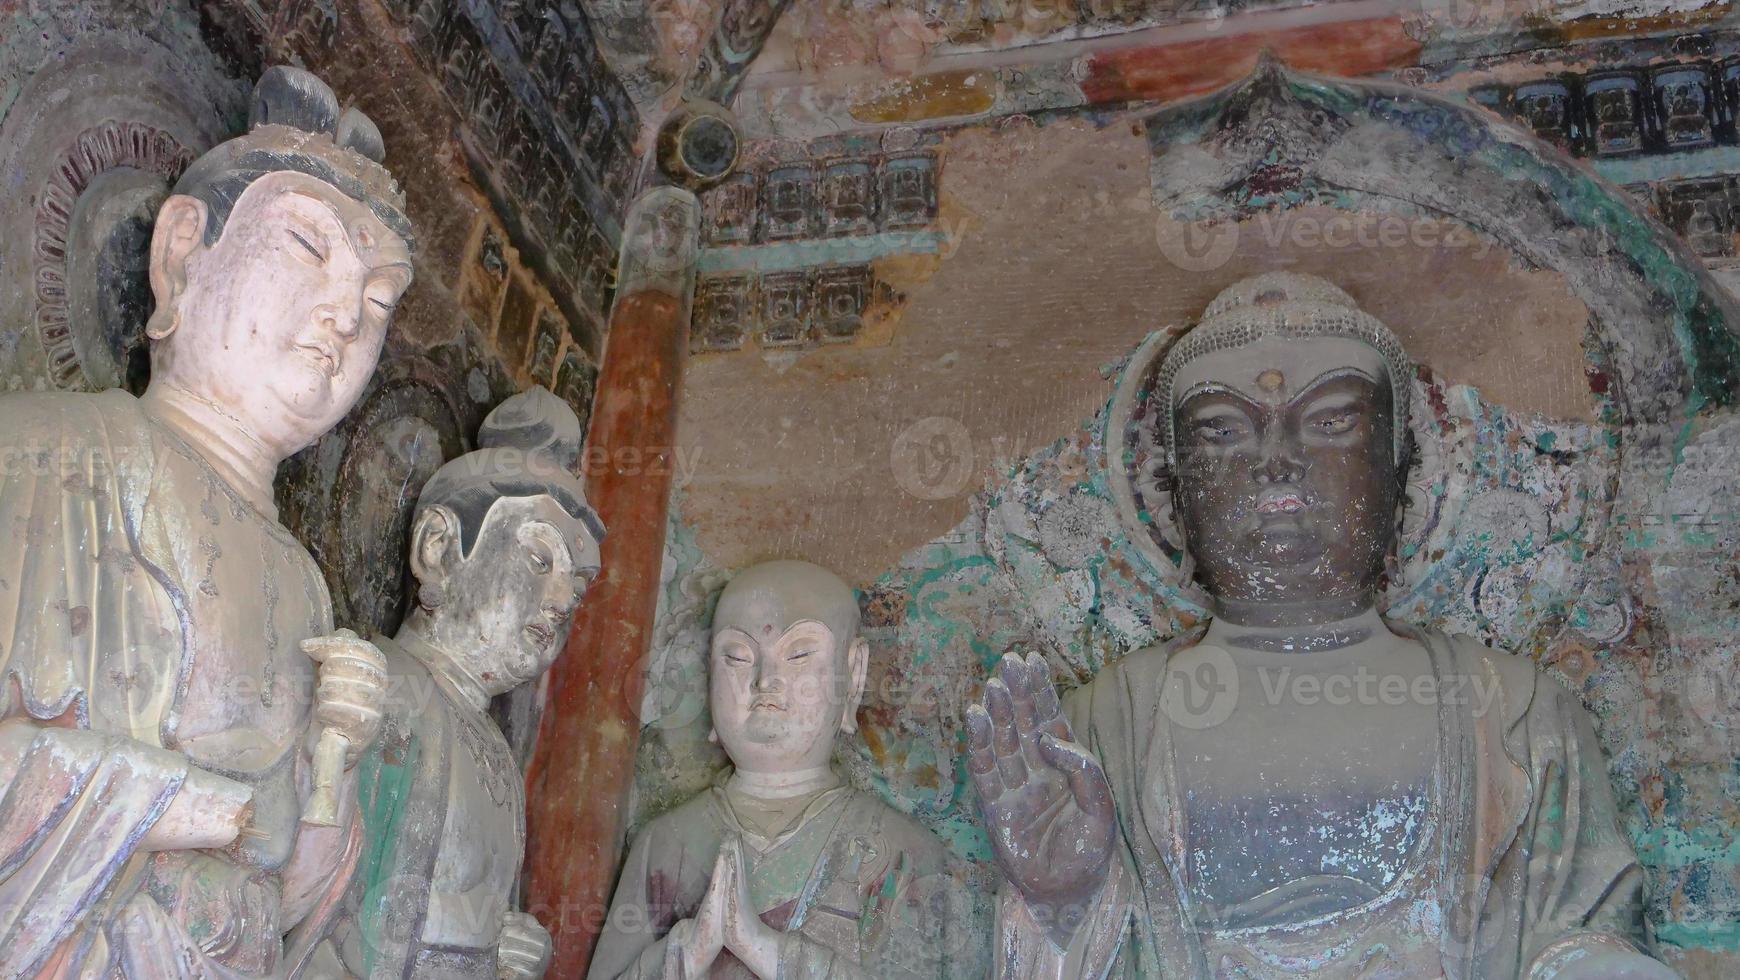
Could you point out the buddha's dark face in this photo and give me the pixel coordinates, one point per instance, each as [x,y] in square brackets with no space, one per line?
[1286,485]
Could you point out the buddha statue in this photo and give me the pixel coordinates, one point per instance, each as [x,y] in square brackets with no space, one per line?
[503,546]
[177,775]
[781,870]
[1309,790]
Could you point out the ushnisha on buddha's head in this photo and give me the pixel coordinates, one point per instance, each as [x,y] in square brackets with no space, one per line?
[1287,441]
[276,265]
[787,666]
[504,545]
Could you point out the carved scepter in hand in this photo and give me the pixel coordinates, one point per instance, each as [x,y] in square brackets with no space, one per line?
[348,696]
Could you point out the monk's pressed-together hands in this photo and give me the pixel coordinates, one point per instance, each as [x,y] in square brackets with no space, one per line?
[727,920]
[1044,797]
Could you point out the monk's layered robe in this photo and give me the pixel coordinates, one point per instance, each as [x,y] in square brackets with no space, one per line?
[858,889]
[444,814]
[150,621]
[1494,852]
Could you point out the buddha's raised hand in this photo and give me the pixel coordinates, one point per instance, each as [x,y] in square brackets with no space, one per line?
[1044,798]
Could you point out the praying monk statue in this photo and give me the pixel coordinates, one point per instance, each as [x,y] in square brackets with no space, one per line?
[503,546]
[1309,791]
[176,768]
[780,870]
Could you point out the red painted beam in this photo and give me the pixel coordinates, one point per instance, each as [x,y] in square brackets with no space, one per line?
[582,768]
[578,781]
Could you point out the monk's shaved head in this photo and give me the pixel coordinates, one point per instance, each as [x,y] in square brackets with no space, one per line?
[765,600]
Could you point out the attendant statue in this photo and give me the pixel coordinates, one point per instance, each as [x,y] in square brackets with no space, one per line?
[1309,791]
[780,869]
[503,546]
[175,790]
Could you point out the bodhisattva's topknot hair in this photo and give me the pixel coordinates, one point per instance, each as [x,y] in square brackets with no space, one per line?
[295,123]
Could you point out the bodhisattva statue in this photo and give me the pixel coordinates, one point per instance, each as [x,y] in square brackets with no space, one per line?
[1310,791]
[503,546]
[174,796]
[781,870]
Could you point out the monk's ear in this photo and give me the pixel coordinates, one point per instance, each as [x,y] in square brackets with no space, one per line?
[858,670]
[434,546]
[179,231]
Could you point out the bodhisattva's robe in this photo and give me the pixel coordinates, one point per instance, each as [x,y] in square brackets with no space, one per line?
[860,891]
[1520,863]
[150,621]
[444,812]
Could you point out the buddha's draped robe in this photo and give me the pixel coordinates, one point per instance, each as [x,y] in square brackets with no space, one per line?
[860,891]
[146,606]
[1523,862]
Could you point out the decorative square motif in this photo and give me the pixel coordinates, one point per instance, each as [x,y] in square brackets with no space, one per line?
[429,28]
[620,180]
[595,137]
[791,201]
[549,188]
[1684,100]
[545,345]
[597,263]
[525,20]
[849,199]
[548,55]
[1546,107]
[574,105]
[570,242]
[576,383]
[724,312]
[1729,79]
[908,191]
[731,210]
[1702,211]
[1613,104]
[489,102]
[785,309]
[842,295]
[459,73]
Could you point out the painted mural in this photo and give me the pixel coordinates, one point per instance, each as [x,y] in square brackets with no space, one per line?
[1603,548]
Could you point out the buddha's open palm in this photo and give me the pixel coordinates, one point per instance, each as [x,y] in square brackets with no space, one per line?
[1044,798]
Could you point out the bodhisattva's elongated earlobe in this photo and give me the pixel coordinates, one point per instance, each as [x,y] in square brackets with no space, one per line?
[179,231]
[858,667]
